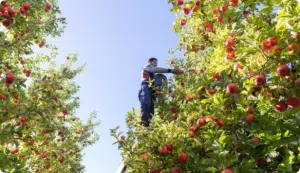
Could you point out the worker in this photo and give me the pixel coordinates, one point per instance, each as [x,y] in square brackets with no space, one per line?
[145,93]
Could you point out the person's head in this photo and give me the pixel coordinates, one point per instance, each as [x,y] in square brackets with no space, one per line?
[153,61]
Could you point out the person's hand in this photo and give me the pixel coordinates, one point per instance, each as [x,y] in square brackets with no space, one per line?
[176,70]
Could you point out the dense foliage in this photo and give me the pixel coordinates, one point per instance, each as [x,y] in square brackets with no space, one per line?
[39,131]
[236,106]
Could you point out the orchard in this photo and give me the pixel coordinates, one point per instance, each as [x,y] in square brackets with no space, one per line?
[235,108]
[39,131]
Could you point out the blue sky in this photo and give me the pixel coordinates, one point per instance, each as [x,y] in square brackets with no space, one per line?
[114,39]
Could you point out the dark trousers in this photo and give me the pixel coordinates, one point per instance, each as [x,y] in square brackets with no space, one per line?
[147,105]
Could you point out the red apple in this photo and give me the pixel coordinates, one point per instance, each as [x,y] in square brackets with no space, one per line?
[47,166]
[266,45]
[173,109]
[170,147]
[183,157]
[261,162]
[44,155]
[186,10]
[175,116]
[229,43]
[197,2]
[255,140]
[249,119]
[220,19]
[276,50]
[232,88]
[175,170]
[226,171]
[202,47]
[250,110]
[182,22]
[23,119]
[26,6]
[215,11]
[23,11]
[189,97]
[180,2]
[283,70]
[220,123]
[12,12]
[237,67]
[293,48]
[5,3]
[293,102]
[280,106]
[201,122]
[260,80]
[272,40]
[191,133]
[233,3]
[164,150]
[223,8]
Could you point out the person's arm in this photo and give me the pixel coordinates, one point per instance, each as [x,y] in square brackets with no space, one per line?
[151,69]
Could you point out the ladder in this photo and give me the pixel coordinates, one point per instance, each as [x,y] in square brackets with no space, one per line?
[122,168]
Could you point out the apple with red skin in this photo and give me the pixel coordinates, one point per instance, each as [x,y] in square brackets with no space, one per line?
[226,171]
[283,70]
[183,158]
[232,88]
[44,155]
[255,140]
[220,123]
[202,47]
[180,2]
[158,92]
[273,41]
[23,11]
[280,106]
[220,19]
[237,67]
[182,22]
[261,162]
[197,2]
[223,8]
[260,80]
[175,170]
[276,50]
[229,43]
[249,119]
[5,3]
[201,122]
[173,109]
[175,116]
[211,91]
[233,2]
[266,45]
[170,147]
[215,11]
[26,6]
[47,166]
[293,48]
[164,150]
[293,102]
[23,119]
[186,10]
[191,133]
[250,110]
[189,97]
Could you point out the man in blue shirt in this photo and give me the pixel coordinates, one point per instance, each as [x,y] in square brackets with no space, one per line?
[145,94]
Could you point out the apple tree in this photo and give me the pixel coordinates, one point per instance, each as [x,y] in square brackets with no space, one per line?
[236,106]
[39,131]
